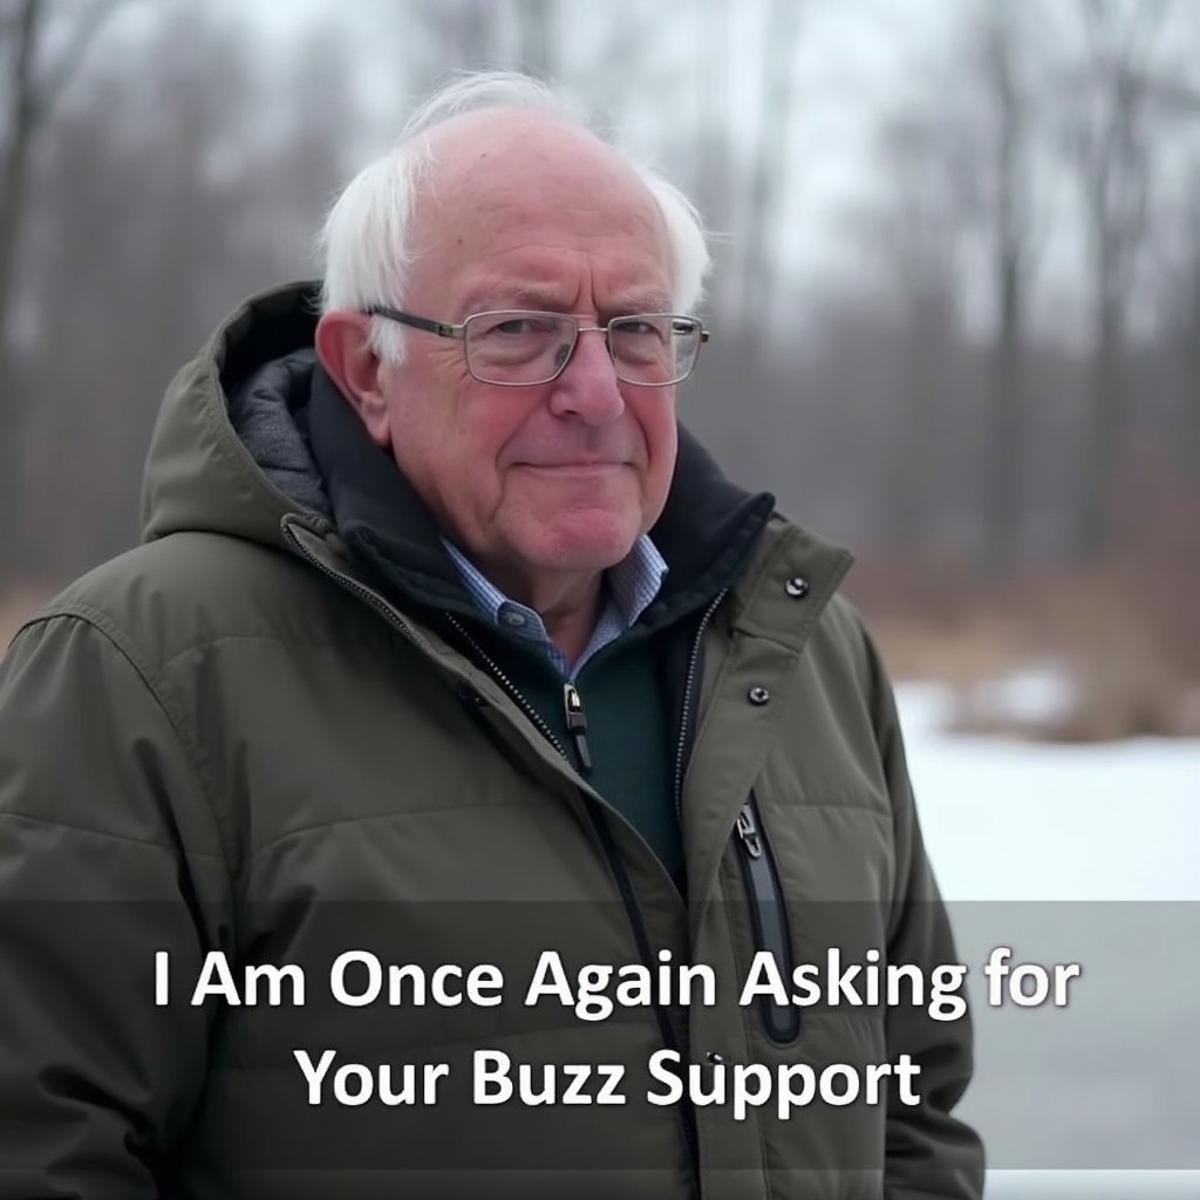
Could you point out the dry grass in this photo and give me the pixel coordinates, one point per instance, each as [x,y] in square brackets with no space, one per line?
[1125,641]
[1124,681]
[1124,631]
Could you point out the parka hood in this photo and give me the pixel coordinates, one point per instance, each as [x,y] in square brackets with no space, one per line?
[200,473]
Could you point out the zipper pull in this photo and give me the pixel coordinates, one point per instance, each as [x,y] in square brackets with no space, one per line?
[577,726]
[747,831]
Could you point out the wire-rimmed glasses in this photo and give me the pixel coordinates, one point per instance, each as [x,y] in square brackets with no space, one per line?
[520,348]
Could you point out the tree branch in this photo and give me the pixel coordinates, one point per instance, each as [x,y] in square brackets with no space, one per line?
[72,55]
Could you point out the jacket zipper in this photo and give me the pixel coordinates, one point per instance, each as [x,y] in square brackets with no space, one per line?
[612,851]
[577,725]
[347,583]
[511,688]
[688,694]
[768,915]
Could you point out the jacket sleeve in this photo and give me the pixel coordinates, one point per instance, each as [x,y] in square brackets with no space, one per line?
[107,855]
[929,1153]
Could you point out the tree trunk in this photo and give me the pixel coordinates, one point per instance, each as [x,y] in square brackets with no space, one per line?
[14,184]
[22,115]
[759,292]
[1006,417]
[1102,444]
[1009,235]
[537,28]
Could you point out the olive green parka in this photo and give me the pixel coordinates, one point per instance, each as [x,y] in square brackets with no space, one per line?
[231,739]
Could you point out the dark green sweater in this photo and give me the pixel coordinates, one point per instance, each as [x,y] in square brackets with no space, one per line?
[628,735]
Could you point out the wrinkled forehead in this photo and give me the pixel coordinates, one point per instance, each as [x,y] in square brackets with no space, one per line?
[503,179]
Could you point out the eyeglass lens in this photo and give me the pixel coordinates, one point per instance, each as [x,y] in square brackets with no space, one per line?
[525,348]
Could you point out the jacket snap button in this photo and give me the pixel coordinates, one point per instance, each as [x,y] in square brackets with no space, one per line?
[713,1058]
[758,695]
[796,587]
[468,695]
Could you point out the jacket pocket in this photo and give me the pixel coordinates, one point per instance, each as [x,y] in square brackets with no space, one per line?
[768,914]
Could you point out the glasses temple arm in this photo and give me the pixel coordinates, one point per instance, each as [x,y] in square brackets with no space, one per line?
[441,328]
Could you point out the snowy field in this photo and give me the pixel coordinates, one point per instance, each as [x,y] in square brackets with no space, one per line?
[1008,820]
[1064,846]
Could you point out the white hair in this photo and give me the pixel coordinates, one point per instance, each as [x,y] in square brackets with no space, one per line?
[365,245]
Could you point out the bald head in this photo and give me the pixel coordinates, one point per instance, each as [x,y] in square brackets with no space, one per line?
[502,182]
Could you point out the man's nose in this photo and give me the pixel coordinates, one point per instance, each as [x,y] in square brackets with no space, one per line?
[588,387]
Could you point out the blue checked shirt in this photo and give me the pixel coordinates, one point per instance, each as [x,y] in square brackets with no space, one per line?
[630,586]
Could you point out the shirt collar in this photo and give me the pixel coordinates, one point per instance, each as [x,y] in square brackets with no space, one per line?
[633,584]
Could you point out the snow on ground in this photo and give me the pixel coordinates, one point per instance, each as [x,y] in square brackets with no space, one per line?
[1110,1080]
[1007,820]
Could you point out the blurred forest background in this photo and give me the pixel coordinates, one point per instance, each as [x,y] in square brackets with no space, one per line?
[956,307]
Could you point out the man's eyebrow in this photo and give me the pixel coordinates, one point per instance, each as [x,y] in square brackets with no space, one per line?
[499,294]
[637,302]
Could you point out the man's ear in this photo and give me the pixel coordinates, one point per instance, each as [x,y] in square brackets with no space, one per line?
[345,353]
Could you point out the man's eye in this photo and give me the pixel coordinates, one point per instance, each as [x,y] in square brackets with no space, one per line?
[640,329]
[519,327]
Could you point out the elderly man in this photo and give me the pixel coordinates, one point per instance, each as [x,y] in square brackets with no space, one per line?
[447,646]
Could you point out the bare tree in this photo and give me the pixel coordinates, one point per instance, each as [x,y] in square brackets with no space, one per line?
[768,181]
[1179,97]
[916,239]
[457,37]
[1110,144]
[1190,405]
[33,91]
[537,27]
[1007,212]
[978,180]
[34,87]
[165,197]
[959,179]
[713,167]
[1183,299]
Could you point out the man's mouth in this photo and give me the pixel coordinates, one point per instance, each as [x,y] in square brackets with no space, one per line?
[578,465]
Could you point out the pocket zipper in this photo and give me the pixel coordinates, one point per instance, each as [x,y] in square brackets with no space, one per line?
[769,916]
